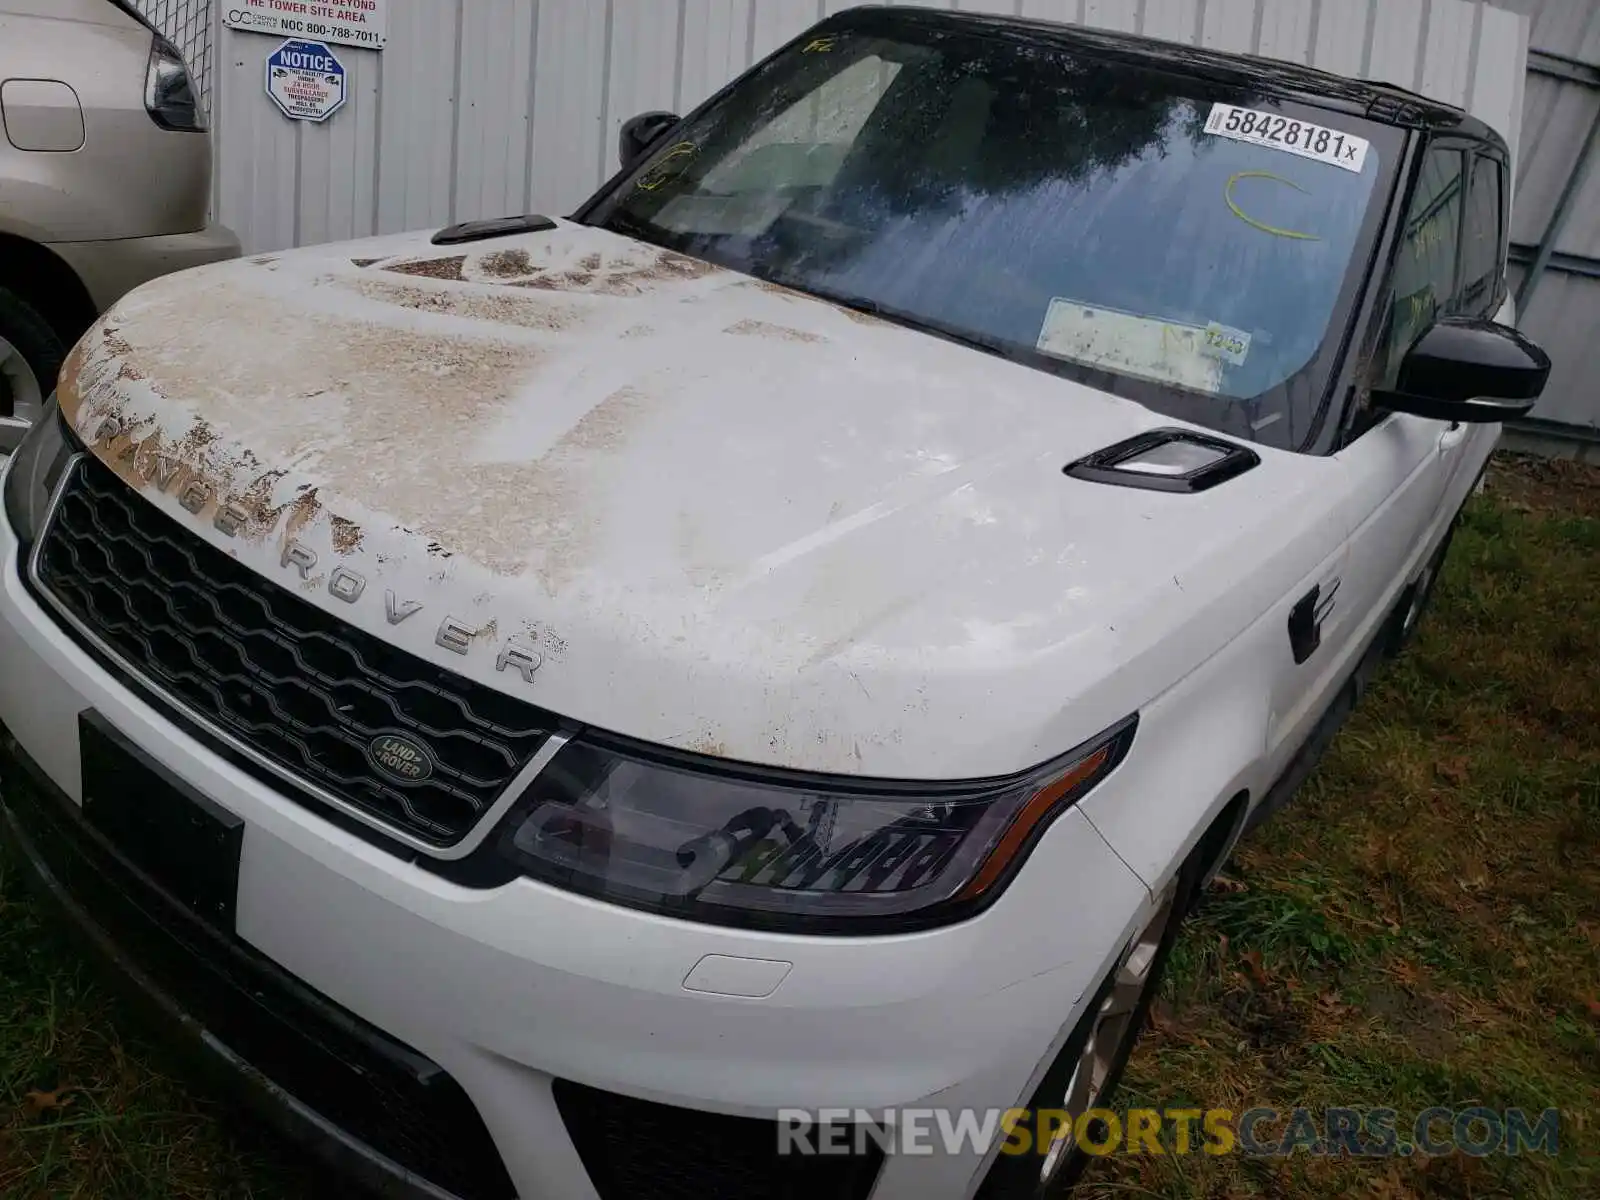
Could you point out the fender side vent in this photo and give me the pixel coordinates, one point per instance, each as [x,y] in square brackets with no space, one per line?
[477,231]
[1166,460]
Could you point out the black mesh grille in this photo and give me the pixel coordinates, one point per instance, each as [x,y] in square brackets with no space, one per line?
[292,682]
[373,1088]
[640,1150]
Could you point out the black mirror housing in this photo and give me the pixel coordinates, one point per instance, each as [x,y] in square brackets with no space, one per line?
[640,133]
[1468,370]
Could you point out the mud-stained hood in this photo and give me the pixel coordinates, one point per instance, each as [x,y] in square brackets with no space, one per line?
[712,512]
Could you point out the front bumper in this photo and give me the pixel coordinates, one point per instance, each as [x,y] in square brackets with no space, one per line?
[111,269]
[237,1009]
[565,1023]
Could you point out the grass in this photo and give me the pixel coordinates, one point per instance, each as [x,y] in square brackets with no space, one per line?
[87,1113]
[1421,927]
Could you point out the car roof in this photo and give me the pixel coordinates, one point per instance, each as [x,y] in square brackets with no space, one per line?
[1385,102]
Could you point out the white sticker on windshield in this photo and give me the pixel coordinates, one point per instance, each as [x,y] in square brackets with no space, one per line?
[1226,342]
[1131,344]
[1260,128]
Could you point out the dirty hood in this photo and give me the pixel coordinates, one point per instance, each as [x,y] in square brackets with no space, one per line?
[715,513]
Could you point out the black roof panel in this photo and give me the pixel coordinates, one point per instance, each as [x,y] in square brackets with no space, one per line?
[1380,101]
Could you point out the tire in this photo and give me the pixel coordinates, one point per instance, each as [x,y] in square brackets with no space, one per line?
[31,353]
[1407,616]
[1024,1176]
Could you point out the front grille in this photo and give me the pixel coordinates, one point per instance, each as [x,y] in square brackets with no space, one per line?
[286,679]
[640,1150]
[373,1088]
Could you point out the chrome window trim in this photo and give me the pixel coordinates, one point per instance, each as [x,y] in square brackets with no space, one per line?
[452,853]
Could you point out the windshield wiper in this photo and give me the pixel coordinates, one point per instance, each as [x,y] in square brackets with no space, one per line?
[625,223]
[911,320]
[621,221]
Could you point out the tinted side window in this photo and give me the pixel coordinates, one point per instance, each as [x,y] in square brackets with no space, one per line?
[1482,237]
[1424,283]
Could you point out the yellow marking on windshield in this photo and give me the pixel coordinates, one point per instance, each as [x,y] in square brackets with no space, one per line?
[1233,205]
[659,174]
[819,45]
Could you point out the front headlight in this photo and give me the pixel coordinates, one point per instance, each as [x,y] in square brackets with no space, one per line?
[169,90]
[34,470]
[705,840]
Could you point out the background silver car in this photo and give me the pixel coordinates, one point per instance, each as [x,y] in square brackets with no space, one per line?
[105,180]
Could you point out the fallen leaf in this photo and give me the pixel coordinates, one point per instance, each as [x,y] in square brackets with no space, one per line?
[1452,770]
[1223,883]
[1252,960]
[38,1103]
[1389,1187]
[1404,971]
[1594,1007]
[1160,1017]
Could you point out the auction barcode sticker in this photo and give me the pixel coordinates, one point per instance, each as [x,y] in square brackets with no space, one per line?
[1284,133]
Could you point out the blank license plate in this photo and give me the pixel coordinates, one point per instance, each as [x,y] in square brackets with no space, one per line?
[183,842]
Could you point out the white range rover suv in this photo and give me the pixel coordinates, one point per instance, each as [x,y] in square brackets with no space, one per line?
[544,703]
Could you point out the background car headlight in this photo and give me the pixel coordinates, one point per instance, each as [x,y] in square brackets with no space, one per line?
[169,90]
[31,474]
[711,841]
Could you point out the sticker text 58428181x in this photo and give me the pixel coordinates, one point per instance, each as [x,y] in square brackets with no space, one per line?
[1262,128]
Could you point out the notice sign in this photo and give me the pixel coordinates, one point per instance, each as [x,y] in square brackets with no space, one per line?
[363,23]
[305,80]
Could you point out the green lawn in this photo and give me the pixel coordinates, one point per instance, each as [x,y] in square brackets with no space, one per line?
[1422,927]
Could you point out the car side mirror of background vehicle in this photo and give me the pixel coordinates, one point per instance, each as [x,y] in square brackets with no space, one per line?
[1468,370]
[640,133]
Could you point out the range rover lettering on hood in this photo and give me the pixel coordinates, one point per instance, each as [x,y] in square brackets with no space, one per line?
[162,472]
[453,633]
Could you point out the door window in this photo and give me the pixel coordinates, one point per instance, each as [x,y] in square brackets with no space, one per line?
[1425,278]
[1483,238]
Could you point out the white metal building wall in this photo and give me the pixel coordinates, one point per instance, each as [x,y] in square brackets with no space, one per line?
[1555,233]
[486,107]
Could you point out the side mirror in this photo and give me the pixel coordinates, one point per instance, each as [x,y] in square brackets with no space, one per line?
[1468,370]
[640,133]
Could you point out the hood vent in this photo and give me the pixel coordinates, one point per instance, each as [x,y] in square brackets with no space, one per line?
[1166,460]
[477,231]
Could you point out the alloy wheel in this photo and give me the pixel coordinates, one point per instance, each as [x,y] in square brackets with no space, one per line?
[1419,598]
[1113,1026]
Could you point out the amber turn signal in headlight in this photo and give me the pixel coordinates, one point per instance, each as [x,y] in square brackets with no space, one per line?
[715,841]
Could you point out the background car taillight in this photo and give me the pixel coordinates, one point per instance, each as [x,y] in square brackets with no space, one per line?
[169,90]
[713,841]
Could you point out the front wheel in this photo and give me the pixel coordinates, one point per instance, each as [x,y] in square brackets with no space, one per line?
[1415,599]
[1086,1072]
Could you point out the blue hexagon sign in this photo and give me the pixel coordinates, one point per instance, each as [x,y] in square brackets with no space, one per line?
[305,80]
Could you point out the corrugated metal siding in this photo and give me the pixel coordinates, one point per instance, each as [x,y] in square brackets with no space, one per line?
[485,107]
[1563,103]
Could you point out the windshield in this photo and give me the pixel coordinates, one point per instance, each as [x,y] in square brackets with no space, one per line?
[1172,240]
